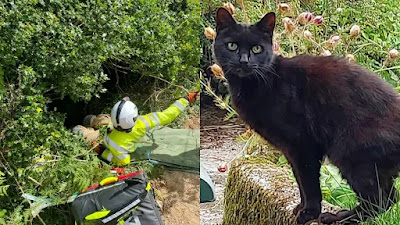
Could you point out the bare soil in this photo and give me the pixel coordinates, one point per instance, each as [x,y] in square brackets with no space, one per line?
[218,146]
[178,193]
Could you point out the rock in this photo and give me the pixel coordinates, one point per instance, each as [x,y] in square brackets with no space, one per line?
[260,192]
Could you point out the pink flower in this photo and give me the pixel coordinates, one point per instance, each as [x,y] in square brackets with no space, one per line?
[275,47]
[305,17]
[318,20]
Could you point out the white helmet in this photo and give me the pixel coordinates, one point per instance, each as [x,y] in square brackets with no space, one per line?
[123,115]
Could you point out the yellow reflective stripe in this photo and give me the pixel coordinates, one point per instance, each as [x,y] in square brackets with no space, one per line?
[179,105]
[148,186]
[156,118]
[116,146]
[97,215]
[145,122]
[108,180]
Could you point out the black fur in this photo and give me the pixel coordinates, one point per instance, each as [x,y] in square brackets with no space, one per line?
[311,107]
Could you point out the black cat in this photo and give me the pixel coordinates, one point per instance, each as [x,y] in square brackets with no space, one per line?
[311,107]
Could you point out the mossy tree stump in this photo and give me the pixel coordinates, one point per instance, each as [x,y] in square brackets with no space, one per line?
[259,192]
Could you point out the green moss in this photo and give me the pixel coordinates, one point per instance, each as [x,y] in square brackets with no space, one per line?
[247,202]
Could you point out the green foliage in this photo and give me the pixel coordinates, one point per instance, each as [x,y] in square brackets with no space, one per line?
[39,156]
[3,187]
[335,189]
[61,45]
[56,48]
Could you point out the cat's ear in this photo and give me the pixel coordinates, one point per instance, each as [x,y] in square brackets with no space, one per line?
[267,23]
[224,19]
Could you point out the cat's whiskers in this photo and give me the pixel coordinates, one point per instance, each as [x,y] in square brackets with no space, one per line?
[260,74]
[269,69]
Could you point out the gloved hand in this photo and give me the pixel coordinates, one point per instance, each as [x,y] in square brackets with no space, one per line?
[193,96]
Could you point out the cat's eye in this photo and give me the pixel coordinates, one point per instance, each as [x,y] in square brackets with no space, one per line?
[232,46]
[257,49]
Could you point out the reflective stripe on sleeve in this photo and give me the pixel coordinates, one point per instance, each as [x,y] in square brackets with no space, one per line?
[156,118]
[123,156]
[110,156]
[117,147]
[145,123]
[179,105]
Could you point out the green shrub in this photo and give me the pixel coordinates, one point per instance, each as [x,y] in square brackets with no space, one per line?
[38,156]
[66,42]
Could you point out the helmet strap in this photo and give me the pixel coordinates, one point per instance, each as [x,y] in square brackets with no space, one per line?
[119,128]
[121,104]
[123,130]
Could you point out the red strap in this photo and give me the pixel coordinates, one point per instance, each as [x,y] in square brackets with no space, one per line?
[129,175]
[122,177]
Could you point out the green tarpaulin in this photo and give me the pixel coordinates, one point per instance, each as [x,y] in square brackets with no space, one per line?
[175,148]
[207,190]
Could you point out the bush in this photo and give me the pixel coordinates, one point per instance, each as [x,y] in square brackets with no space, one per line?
[65,42]
[53,49]
[38,156]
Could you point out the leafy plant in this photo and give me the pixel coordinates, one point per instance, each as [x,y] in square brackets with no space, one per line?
[39,157]
[62,45]
[3,187]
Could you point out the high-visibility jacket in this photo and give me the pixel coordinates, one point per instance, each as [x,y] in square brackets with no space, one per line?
[119,143]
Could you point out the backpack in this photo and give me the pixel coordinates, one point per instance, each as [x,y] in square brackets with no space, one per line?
[124,200]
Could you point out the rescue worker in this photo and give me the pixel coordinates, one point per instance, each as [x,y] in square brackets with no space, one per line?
[128,127]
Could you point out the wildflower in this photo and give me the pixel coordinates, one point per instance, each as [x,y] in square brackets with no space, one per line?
[217,71]
[355,31]
[333,41]
[305,17]
[283,7]
[318,20]
[288,24]
[307,34]
[350,57]
[229,6]
[275,47]
[210,33]
[393,54]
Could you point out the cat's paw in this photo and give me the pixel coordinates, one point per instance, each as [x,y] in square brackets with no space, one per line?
[297,208]
[307,214]
[344,216]
[328,218]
